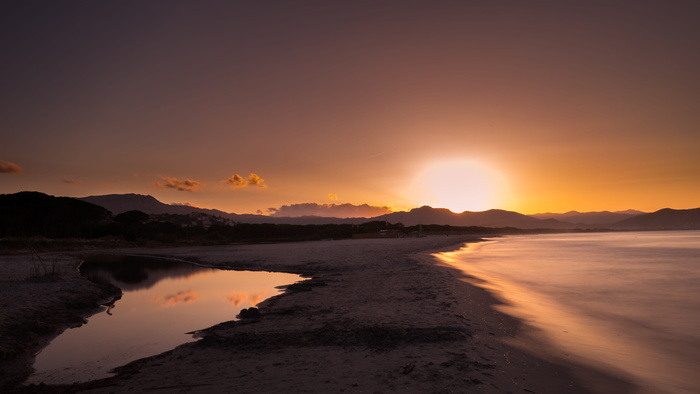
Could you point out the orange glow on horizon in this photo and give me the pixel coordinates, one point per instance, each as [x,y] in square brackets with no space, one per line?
[502,105]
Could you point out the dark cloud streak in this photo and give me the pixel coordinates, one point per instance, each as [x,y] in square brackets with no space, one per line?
[187,185]
[10,168]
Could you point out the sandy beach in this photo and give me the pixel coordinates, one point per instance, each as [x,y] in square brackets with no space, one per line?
[375,315]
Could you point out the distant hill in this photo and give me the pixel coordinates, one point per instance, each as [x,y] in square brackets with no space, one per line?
[664,219]
[33,213]
[490,218]
[593,218]
[119,203]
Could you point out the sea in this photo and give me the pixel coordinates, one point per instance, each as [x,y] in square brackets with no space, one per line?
[624,302]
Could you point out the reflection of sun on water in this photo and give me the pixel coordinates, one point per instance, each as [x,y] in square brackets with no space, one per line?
[460,185]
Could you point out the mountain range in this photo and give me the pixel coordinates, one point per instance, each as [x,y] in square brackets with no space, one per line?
[120,203]
[626,220]
[596,218]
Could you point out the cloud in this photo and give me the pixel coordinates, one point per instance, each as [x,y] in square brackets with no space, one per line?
[182,297]
[187,185]
[10,168]
[72,181]
[329,210]
[332,196]
[186,204]
[238,181]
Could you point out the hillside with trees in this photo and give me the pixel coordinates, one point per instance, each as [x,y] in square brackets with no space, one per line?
[27,214]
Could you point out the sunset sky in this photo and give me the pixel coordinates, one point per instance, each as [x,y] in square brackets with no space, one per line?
[531,106]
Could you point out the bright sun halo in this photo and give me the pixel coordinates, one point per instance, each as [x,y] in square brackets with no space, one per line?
[460,185]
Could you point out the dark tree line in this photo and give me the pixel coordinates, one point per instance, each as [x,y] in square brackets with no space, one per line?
[28,214]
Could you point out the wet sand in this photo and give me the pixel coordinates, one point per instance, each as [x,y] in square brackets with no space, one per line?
[376,315]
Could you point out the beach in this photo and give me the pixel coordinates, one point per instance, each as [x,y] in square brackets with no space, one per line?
[375,315]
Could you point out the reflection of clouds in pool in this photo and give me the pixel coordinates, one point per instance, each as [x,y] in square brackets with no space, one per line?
[237,299]
[181,297]
[257,297]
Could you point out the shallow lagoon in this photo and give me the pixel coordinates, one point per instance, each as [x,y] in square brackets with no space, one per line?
[163,300]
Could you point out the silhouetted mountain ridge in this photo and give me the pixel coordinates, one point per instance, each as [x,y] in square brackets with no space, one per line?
[119,203]
[29,213]
[490,218]
[597,218]
[663,219]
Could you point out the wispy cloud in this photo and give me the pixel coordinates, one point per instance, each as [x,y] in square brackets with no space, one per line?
[187,185]
[72,181]
[10,168]
[332,196]
[252,180]
[186,204]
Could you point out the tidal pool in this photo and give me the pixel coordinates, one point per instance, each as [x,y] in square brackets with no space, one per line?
[163,300]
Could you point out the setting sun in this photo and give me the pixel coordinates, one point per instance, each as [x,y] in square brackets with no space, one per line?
[460,185]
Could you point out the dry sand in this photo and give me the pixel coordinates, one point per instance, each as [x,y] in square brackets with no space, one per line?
[377,316]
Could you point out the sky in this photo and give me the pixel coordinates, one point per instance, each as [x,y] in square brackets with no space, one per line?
[249,106]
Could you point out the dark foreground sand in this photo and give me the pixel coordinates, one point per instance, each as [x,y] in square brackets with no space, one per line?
[377,316]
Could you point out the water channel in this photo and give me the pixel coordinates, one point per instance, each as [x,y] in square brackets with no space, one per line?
[162,301]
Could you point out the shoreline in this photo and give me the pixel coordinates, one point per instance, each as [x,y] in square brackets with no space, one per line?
[376,315]
[536,341]
[36,309]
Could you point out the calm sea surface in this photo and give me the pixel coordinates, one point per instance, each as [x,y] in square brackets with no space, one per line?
[628,302]
[163,300]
